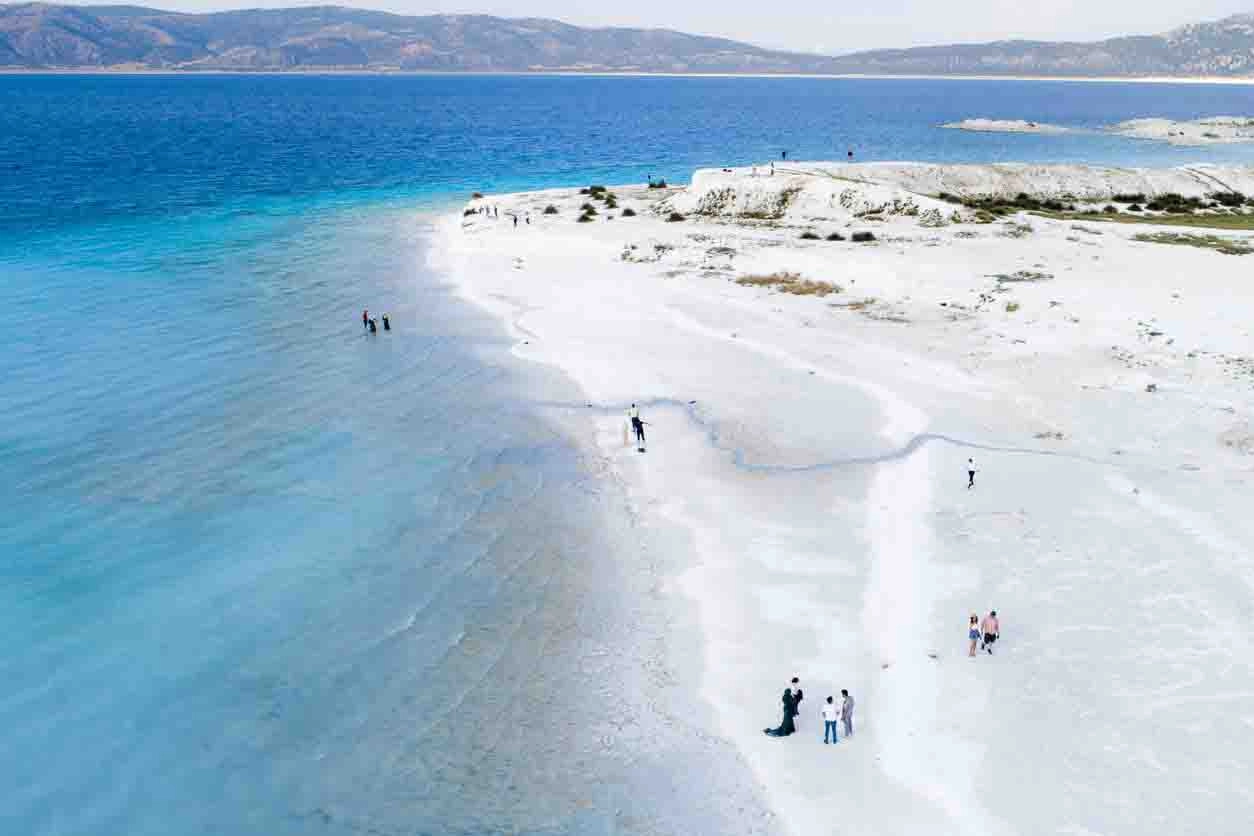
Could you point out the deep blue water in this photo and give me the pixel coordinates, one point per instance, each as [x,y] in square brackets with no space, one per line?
[260,573]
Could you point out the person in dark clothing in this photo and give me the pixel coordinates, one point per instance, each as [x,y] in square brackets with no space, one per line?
[783,155]
[787,726]
[387,326]
[970,474]
[515,221]
[374,329]
[365,320]
[797,695]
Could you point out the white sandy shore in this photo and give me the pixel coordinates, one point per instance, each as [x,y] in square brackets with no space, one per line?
[1006,126]
[814,449]
[1214,130]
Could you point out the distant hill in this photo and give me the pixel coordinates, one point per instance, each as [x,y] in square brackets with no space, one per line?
[39,35]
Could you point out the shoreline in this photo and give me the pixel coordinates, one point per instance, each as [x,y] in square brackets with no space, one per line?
[332,71]
[815,466]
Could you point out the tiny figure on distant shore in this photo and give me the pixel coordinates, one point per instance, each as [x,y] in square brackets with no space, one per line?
[515,221]
[528,219]
[846,712]
[850,155]
[783,155]
[798,695]
[970,474]
[973,632]
[786,726]
[991,628]
[496,213]
[365,320]
[772,169]
[374,329]
[387,326]
[830,714]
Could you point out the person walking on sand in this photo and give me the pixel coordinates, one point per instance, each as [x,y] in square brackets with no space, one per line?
[830,714]
[787,726]
[991,628]
[515,222]
[798,695]
[846,712]
[365,320]
[973,632]
[637,425]
[970,474]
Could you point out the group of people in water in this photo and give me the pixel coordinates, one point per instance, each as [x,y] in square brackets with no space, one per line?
[831,712]
[370,326]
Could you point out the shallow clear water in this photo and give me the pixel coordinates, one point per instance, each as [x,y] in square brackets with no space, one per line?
[262,573]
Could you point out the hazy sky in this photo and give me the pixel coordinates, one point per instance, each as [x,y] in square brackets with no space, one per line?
[823,25]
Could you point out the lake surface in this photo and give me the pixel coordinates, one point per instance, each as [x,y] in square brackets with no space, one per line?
[264,573]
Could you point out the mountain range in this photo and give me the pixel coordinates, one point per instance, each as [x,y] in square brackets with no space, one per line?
[46,36]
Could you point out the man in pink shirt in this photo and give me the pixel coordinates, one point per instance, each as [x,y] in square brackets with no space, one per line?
[991,628]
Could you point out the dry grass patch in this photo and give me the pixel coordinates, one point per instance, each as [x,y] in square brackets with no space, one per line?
[1227,246]
[790,283]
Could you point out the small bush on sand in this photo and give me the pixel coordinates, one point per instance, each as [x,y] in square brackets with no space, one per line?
[469,212]
[835,236]
[675,217]
[629,213]
[1229,199]
[611,203]
[550,209]
[1111,209]
[594,190]
[1011,307]
[1135,207]
[659,184]
[477,196]
[863,237]
[585,218]
[588,207]
[791,283]
[1138,197]
[809,236]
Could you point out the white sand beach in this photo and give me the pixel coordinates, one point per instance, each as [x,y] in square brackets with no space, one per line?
[1008,126]
[1213,130]
[811,407]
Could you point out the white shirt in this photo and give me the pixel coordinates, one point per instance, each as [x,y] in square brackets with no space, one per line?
[831,712]
[633,413]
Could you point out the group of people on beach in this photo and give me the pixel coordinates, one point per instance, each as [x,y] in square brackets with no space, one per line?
[983,633]
[831,713]
[370,326]
[495,213]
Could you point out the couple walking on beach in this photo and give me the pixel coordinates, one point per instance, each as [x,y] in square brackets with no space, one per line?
[830,712]
[983,632]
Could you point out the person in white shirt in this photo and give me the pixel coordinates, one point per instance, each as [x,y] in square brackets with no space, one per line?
[830,715]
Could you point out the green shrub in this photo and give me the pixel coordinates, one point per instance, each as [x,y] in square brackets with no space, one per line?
[835,236]
[550,209]
[477,196]
[660,184]
[809,236]
[1111,209]
[1138,197]
[863,237]
[1135,207]
[1011,307]
[629,212]
[585,218]
[675,217]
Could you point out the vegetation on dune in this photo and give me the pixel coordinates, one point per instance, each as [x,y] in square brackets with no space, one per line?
[792,283]
[835,236]
[629,212]
[809,236]
[863,237]
[675,217]
[1227,246]
[550,209]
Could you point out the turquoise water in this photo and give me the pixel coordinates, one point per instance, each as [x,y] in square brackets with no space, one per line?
[265,574]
